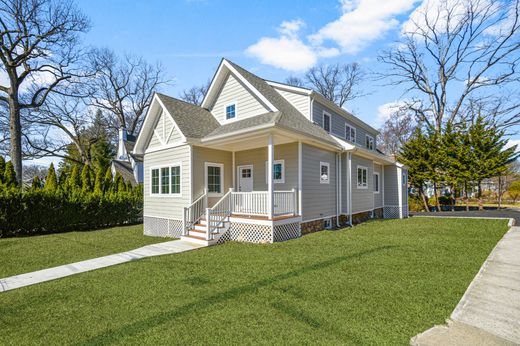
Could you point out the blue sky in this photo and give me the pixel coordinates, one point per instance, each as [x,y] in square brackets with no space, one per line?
[189,37]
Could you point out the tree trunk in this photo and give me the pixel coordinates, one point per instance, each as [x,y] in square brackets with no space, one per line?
[424,199]
[15,132]
[499,192]
[466,195]
[437,204]
[454,193]
[480,201]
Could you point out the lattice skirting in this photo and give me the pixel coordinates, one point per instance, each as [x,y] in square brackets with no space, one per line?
[392,212]
[160,227]
[287,231]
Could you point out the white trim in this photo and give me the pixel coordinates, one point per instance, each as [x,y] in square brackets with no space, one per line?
[162,217]
[213,164]
[382,187]
[349,197]
[361,187]
[291,88]
[373,142]
[300,183]
[326,114]
[378,183]
[350,128]
[172,119]
[168,146]
[322,163]
[232,103]
[225,63]
[400,191]
[191,174]
[233,164]
[366,211]
[160,167]
[276,181]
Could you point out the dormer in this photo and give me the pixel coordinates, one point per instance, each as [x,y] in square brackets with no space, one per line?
[231,97]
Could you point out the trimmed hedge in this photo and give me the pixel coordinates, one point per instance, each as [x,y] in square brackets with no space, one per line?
[38,211]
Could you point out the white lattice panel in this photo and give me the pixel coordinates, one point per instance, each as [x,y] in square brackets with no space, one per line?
[287,231]
[392,212]
[174,228]
[159,227]
[250,233]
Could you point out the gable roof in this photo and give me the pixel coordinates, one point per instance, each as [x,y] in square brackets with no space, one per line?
[193,121]
[125,169]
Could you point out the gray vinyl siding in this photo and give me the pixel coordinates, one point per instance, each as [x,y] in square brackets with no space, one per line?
[378,197]
[165,206]
[362,199]
[258,158]
[202,155]
[391,186]
[300,102]
[404,195]
[337,126]
[247,105]
[318,200]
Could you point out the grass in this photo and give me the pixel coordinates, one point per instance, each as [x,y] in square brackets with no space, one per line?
[26,254]
[378,283]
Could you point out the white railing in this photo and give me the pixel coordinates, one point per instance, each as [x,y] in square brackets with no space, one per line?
[194,212]
[217,215]
[257,203]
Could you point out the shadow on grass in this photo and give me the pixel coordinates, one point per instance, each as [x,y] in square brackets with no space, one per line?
[137,327]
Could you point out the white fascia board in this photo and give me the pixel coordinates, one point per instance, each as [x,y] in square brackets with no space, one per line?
[290,88]
[326,102]
[145,127]
[172,119]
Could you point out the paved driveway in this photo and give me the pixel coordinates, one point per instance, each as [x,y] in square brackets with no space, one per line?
[499,213]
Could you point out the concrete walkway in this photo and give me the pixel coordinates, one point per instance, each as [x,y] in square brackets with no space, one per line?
[489,311]
[166,248]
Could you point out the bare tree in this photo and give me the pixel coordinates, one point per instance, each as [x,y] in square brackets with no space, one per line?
[195,95]
[124,86]
[336,82]
[396,130]
[453,50]
[295,81]
[38,48]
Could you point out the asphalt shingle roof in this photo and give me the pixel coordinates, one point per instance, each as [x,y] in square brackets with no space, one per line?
[126,170]
[192,120]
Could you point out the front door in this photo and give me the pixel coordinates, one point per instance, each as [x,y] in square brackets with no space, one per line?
[245,178]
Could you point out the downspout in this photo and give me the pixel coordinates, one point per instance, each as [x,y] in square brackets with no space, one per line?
[349,188]
[337,190]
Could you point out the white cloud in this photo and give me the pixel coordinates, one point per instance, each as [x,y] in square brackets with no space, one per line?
[288,51]
[362,22]
[384,111]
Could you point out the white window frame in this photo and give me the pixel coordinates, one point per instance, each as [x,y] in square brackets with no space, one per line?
[405,179]
[234,103]
[348,129]
[214,164]
[361,187]
[376,174]
[373,141]
[328,173]
[325,114]
[276,181]
[170,194]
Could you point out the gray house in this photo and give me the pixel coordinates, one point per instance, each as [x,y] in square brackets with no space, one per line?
[261,161]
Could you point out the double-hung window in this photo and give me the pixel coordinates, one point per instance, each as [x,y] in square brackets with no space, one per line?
[376,182]
[326,122]
[166,180]
[324,172]
[369,142]
[278,172]
[362,174]
[231,111]
[350,133]
[214,173]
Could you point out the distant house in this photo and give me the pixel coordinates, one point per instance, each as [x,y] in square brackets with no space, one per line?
[261,161]
[128,164]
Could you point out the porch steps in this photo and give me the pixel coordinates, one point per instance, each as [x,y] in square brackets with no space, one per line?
[197,234]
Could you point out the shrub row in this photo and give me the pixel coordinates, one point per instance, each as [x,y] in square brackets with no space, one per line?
[38,211]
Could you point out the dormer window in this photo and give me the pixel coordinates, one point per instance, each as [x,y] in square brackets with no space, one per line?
[369,142]
[326,122]
[350,133]
[231,111]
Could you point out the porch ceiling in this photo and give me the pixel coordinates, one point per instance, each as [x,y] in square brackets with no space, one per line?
[251,141]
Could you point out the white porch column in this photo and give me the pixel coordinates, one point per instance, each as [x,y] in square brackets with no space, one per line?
[270,163]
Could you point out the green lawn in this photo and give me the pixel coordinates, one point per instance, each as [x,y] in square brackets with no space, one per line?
[378,283]
[26,254]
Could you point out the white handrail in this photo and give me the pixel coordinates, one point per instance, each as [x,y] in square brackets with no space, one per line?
[216,215]
[194,212]
[257,202]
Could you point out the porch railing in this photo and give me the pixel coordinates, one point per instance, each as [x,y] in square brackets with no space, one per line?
[257,203]
[218,214]
[194,212]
